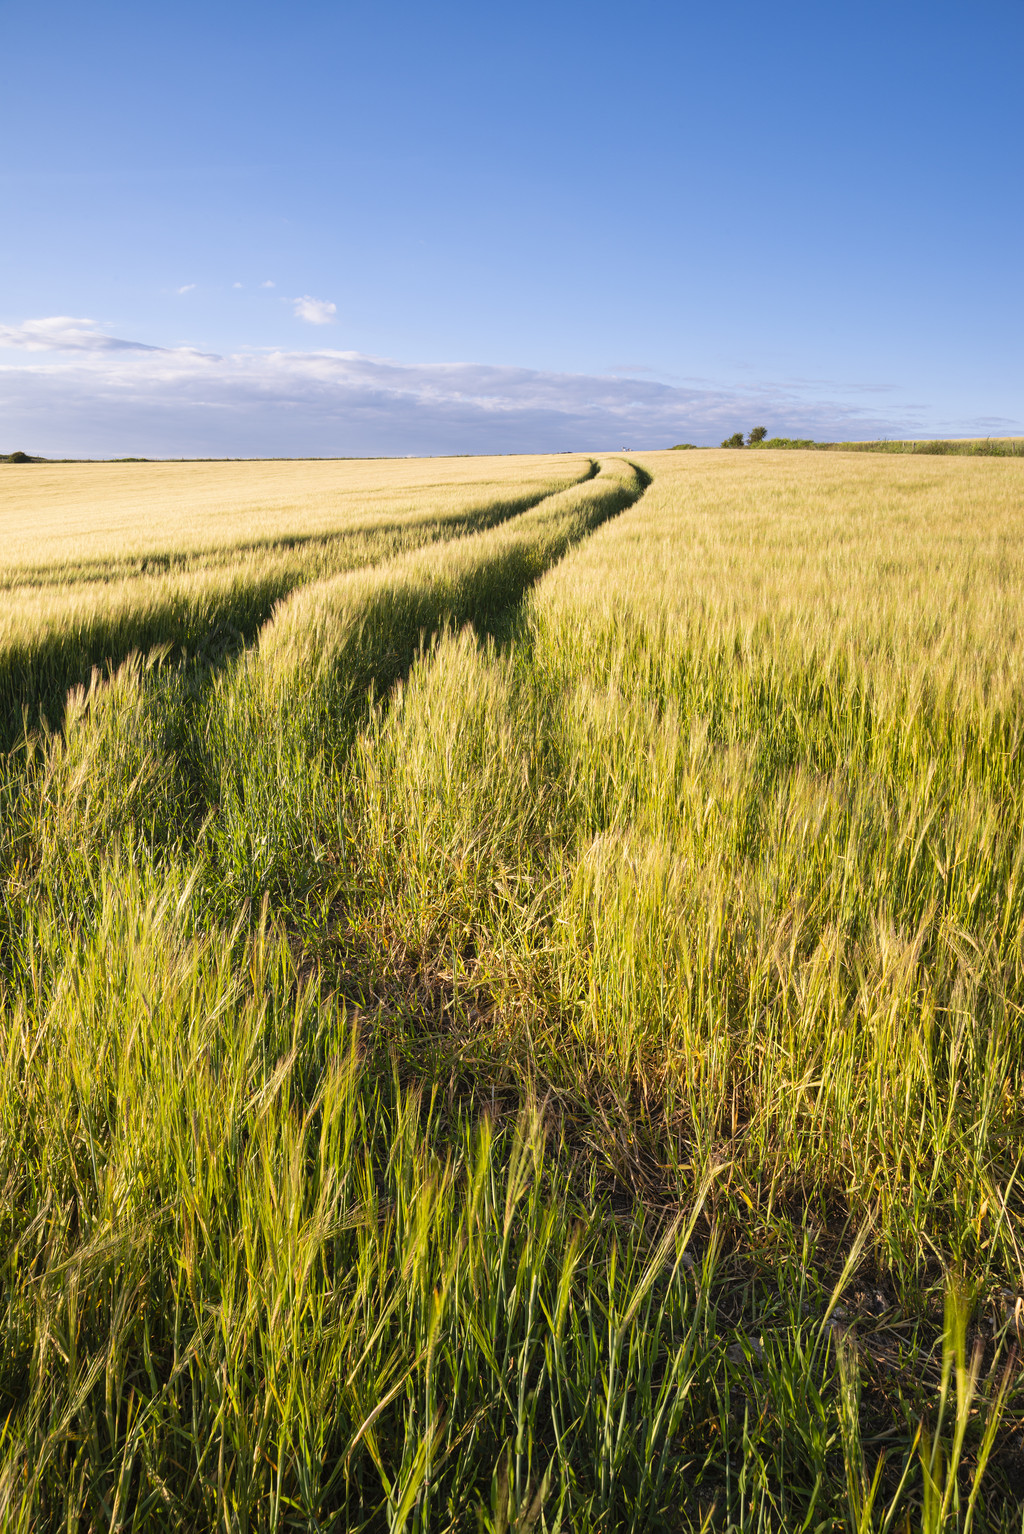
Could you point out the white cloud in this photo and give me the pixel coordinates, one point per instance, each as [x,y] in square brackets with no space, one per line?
[315,311]
[266,284]
[188,288]
[115,397]
[60,332]
[236,284]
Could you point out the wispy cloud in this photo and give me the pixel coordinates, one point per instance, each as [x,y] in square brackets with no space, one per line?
[60,332]
[267,284]
[189,287]
[315,311]
[633,369]
[100,396]
[992,425]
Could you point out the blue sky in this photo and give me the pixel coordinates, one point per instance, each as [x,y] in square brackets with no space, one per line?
[389,227]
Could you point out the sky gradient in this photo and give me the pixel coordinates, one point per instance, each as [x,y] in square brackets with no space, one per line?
[396,228]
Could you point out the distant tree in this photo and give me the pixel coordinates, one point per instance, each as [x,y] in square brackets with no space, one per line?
[757,435]
[736,440]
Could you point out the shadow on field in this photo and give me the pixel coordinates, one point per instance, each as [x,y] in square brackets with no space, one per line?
[503,623]
[337,641]
[203,626]
[36,675]
[301,696]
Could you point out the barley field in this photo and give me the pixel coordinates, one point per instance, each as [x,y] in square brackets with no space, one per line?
[511,981]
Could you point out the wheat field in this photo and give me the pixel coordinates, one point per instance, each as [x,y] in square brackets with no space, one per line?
[104,560]
[510,994]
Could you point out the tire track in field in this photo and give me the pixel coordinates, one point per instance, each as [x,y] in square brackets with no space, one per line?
[209,625]
[360,630]
[475,517]
[334,645]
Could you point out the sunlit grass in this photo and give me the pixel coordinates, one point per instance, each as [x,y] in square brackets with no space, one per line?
[71,522]
[534,1040]
[105,560]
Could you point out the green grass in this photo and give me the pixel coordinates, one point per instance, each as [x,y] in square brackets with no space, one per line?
[533,1040]
[978,447]
[968,447]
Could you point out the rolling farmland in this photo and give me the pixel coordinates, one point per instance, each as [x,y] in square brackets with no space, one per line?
[511,986]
